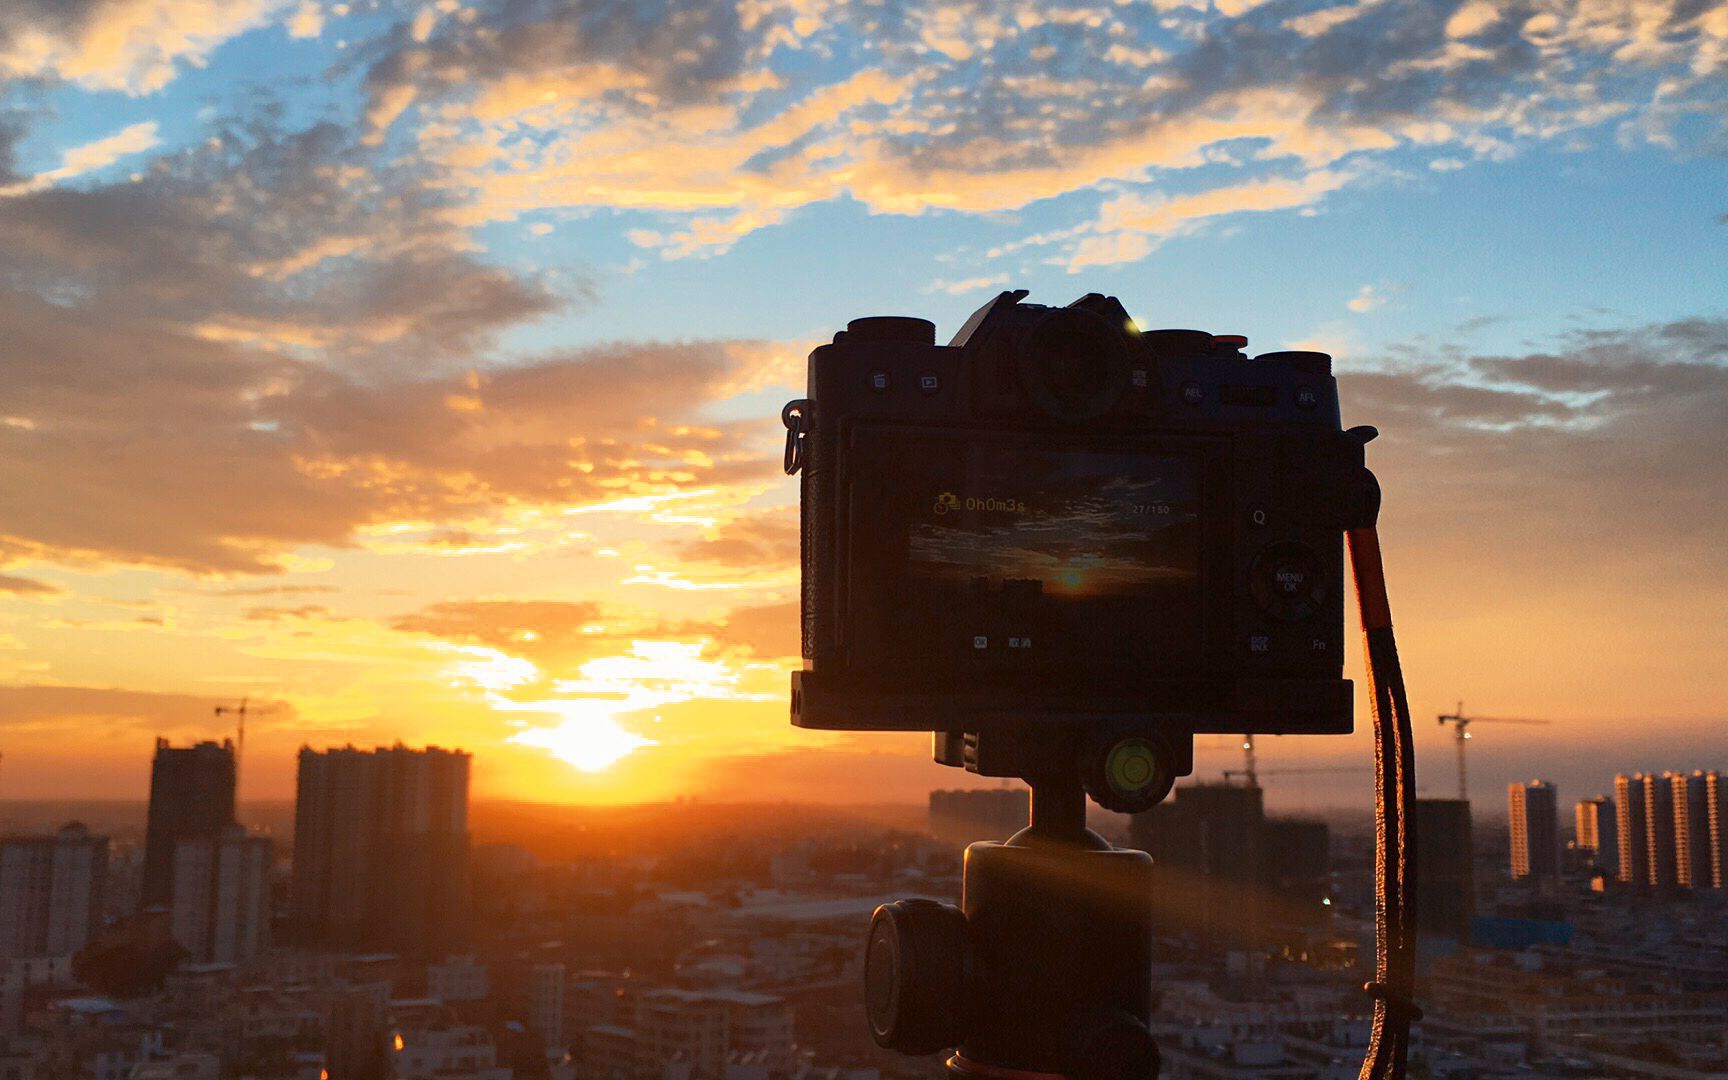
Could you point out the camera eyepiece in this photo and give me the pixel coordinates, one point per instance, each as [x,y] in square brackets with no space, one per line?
[1074,364]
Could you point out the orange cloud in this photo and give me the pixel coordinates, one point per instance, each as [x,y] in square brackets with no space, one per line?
[958,106]
[128,45]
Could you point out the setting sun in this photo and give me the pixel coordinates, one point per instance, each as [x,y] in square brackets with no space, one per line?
[587,736]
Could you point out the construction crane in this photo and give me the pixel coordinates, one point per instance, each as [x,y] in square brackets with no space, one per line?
[239,713]
[1252,771]
[1254,777]
[1461,732]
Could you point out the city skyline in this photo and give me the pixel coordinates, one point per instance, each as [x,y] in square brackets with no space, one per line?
[709,947]
[413,370]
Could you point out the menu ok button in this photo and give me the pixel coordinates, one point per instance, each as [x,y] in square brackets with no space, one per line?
[1288,582]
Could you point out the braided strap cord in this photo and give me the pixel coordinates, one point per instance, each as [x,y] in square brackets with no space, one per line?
[1394,982]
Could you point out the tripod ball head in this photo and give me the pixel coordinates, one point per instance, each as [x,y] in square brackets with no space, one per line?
[1046,969]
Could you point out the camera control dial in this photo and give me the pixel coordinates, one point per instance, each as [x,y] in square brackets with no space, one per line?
[1288,581]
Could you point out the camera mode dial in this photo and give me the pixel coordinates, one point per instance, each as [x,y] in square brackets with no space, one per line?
[1288,581]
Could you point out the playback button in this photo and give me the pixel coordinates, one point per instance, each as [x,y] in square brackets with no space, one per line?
[1288,581]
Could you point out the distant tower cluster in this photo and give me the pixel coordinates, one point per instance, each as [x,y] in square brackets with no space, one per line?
[380,861]
[1534,818]
[381,848]
[1661,830]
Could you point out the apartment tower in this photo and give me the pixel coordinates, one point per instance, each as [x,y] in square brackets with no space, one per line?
[381,849]
[1534,818]
[191,798]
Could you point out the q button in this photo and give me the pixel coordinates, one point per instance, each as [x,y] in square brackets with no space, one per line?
[1257,517]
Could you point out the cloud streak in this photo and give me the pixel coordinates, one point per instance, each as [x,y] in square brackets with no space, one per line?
[134,139]
[984,108]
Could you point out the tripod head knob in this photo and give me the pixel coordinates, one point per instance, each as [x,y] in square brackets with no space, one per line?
[915,976]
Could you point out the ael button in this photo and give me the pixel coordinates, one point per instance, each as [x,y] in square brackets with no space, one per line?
[1288,582]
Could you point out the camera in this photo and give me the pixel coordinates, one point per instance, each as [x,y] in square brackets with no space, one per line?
[1060,541]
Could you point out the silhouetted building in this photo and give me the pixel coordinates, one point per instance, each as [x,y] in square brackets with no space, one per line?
[1598,833]
[1211,829]
[381,849]
[1224,869]
[1299,860]
[979,813]
[191,798]
[1533,814]
[51,891]
[1446,878]
[1698,855]
[221,908]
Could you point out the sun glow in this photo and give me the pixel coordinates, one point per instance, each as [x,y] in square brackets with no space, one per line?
[590,731]
[586,736]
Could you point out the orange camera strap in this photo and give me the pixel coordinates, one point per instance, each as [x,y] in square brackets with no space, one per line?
[1394,982]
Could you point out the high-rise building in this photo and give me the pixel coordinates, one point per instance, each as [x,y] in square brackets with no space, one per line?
[1225,870]
[1632,824]
[51,891]
[221,907]
[1446,885]
[1298,865]
[1211,829]
[357,1042]
[381,849]
[1533,814]
[1698,823]
[1659,829]
[1598,836]
[191,798]
[546,1005]
[979,813]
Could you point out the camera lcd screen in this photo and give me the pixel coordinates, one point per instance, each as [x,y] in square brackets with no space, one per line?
[1031,558]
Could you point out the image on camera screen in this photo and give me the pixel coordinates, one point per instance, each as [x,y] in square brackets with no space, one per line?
[1028,557]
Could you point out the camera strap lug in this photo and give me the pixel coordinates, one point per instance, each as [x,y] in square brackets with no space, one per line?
[796,417]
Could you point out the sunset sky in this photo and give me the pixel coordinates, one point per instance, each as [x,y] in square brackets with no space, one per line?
[413,369]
